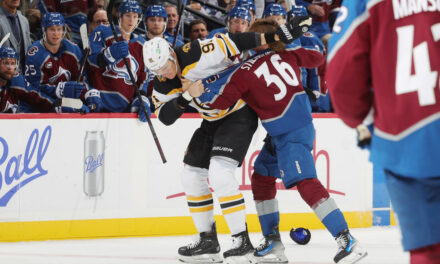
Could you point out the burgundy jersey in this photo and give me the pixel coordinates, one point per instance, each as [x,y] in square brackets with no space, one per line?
[114,81]
[270,84]
[386,55]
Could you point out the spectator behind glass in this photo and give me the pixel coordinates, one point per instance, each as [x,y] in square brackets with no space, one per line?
[12,21]
[101,4]
[198,29]
[96,18]
[34,17]
[173,19]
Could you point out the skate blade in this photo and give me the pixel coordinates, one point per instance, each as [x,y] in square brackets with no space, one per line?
[354,257]
[247,258]
[205,258]
[261,260]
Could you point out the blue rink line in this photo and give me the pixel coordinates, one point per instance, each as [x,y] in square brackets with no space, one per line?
[381,200]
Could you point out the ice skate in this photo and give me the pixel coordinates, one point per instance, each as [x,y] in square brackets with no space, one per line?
[205,249]
[349,250]
[241,251]
[271,249]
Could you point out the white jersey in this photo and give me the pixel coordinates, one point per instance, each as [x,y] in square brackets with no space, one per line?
[197,60]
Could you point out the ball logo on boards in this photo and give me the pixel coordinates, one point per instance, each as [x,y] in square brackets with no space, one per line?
[94,145]
[18,169]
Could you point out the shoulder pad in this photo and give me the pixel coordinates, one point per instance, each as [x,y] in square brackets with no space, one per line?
[188,53]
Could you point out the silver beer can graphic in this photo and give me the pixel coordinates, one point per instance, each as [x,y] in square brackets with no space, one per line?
[94,145]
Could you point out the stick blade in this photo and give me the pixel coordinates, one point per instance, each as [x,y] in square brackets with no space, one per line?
[4,39]
[84,37]
[72,103]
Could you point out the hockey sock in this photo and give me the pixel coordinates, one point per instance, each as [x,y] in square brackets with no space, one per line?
[222,180]
[199,197]
[426,255]
[325,208]
[268,215]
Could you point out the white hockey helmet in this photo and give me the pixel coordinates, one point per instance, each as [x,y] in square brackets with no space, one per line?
[157,51]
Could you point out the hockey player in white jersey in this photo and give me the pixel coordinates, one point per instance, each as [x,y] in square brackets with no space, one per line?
[218,147]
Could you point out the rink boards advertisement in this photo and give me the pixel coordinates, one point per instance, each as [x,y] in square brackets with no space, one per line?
[98,175]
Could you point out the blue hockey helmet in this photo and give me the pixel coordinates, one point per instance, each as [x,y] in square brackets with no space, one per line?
[248,4]
[156,11]
[275,10]
[299,11]
[239,12]
[52,19]
[129,6]
[7,52]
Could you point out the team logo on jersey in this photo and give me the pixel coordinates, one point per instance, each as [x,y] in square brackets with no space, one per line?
[308,34]
[186,47]
[48,65]
[118,70]
[212,79]
[32,51]
[58,77]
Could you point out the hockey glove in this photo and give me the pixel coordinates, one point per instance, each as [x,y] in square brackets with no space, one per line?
[69,89]
[294,28]
[93,100]
[136,107]
[116,51]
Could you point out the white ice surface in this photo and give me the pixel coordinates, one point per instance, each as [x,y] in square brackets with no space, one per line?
[382,243]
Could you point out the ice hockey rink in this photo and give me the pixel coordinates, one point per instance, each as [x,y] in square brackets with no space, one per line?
[382,243]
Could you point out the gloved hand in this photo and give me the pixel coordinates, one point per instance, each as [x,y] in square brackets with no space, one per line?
[69,89]
[136,107]
[116,52]
[93,100]
[294,28]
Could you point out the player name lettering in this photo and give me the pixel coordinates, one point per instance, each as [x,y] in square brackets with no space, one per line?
[17,171]
[92,164]
[404,8]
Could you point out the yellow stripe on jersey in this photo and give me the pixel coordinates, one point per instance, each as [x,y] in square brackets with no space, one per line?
[208,116]
[229,45]
[176,90]
[188,68]
[230,198]
[233,210]
[222,47]
[199,198]
[202,209]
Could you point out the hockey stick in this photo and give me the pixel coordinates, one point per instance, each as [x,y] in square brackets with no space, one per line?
[4,39]
[86,49]
[138,93]
[177,29]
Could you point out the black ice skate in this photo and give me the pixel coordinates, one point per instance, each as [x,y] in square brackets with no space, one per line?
[271,249]
[241,251]
[205,249]
[349,250]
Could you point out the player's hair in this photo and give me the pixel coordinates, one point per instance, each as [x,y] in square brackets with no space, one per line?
[268,25]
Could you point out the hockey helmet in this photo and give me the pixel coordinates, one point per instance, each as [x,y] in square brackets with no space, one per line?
[157,51]
[299,11]
[275,10]
[239,12]
[156,11]
[9,53]
[248,4]
[129,6]
[52,19]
